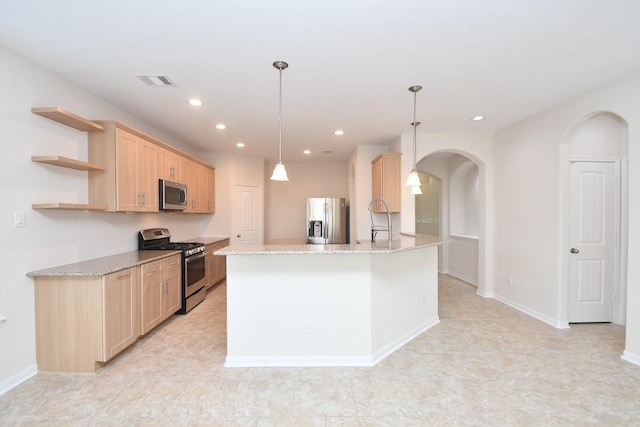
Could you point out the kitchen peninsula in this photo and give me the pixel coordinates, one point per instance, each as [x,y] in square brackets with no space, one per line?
[328,305]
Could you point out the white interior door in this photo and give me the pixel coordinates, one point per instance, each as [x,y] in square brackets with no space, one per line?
[247,215]
[593,226]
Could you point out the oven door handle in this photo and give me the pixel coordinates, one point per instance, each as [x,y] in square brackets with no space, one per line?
[194,257]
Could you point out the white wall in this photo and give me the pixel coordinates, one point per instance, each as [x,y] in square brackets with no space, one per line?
[462,261]
[531,182]
[52,238]
[286,201]
[231,169]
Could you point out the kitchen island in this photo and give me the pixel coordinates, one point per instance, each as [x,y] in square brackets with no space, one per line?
[328,305]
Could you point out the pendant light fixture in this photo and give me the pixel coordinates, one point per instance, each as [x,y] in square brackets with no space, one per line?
[414,179]
[279,172]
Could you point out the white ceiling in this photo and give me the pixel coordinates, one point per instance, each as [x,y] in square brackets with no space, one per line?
[350,63]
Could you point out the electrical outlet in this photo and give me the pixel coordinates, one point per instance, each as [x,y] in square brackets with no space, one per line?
[309,327]
[423,301]
[510,282]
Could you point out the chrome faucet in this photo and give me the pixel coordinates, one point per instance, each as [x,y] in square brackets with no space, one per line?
[376,228]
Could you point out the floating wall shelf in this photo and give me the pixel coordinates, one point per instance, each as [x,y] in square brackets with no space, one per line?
[66,162]
[67,118]
[71,206]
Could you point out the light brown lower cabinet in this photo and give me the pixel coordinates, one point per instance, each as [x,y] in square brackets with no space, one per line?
[216,266]
[83,322]
[160,291]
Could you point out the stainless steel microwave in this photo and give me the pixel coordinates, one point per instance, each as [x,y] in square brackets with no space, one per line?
[173,196]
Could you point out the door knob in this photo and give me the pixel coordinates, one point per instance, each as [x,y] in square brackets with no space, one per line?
[237,235]
[574,251]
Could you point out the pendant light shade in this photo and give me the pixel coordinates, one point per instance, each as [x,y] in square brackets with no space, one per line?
[414,179]
[279,172]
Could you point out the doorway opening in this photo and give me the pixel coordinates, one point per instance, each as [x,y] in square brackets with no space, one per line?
[449,207]
[595,260]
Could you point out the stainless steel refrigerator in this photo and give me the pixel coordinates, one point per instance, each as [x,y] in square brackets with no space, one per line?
[327,220]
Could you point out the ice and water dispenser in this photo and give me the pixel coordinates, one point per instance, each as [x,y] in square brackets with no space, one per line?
[326,220]
[315,228]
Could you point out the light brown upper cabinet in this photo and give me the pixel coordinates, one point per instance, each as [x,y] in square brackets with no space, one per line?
[170,165]
[385,180]
[209,190]
[134,162]
[129,182]
[200,182]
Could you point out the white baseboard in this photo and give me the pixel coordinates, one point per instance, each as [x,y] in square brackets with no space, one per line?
[297,361]
[323,361]
[631,357]
[526,310]
[17,378]
[404,339]
[464,278]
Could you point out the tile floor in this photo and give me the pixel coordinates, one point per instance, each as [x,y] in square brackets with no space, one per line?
[483,364]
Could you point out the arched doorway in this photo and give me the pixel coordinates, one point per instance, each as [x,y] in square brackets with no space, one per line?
[449,207]
[596,144]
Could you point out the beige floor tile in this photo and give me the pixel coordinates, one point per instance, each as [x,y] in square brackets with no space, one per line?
[484,364]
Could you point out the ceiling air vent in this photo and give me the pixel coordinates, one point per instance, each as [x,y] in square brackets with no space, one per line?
[154,80]
[327,152]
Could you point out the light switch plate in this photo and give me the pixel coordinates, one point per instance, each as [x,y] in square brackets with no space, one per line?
[19,219]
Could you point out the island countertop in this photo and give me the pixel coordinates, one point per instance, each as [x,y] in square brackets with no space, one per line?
[404,243]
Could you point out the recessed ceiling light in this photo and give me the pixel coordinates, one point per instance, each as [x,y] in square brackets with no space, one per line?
[477,118]
[195,102]
[240,144]
[339,132]
[307,151]
[220,126]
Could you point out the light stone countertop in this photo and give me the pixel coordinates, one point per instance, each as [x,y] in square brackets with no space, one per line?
[205,240]
[113,263]
[104,265]
[404,243]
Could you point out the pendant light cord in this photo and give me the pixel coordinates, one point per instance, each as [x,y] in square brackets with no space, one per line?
[280,126]
[415,95]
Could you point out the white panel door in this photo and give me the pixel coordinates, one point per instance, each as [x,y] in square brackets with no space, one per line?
[592,240]
[247,216]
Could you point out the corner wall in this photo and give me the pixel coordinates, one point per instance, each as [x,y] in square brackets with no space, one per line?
[531,183]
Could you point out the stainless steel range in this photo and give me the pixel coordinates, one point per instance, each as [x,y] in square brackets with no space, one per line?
[193,265]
